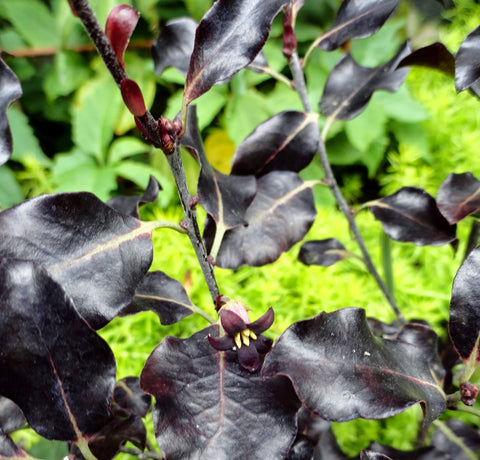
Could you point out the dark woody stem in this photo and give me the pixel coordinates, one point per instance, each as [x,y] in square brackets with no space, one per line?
[300,87]
[176,166]
[152,132]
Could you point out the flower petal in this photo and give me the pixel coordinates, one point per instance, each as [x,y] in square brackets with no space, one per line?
[231,322]
[248,357]
[262,323]
[263,344]
[221,343]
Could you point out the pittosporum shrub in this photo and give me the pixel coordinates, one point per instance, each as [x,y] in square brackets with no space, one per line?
[70,263]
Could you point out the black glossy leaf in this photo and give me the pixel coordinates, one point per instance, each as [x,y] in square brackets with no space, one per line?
[226,198]
[459,196]
[349,86]
[323,252]
[163,295]
[128,396]
[370,455]
[411,215]
[341,371]
[357,19]
[286,141]
[464,322]
[467,61]
[98,255]
[52,363]
[11,416]
[129,204]
[174,45]
[228,38]
[463,445]
[208,406]
[423,453]
[435,56]
[8,449]
[280,215]
[10,90]
[302,449]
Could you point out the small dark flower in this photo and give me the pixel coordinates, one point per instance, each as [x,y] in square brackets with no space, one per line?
[242,335]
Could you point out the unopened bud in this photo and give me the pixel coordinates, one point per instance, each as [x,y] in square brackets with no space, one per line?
[133,97]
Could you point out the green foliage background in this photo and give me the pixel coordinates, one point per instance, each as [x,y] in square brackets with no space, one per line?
[72,133]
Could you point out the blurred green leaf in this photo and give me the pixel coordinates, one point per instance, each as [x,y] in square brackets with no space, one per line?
[34,22]
[69,71]
[197,8]
[125,147]
[94,113]
[401,106]
[78,171]
[10,190]
[25,144]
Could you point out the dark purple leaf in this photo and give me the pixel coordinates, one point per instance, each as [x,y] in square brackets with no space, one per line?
[464,323]
[462,444]
[328,449]
[121,23]
[11,416]
[411,215]
[370,455]
[423,453]
[107,442]
[226,198]
[163,295]
[192,139]
[8,449]
[280,215]
[467,61]
[98,255]
[302,449]
[435,56]
[129,204]
[259,64]
[53,365]
[323,252]
[349,86]
[10,90]
[228,38]
[459,196]
[357,19]
[378,378]
[287,141]
[208,406]
[128,397]
[174,45]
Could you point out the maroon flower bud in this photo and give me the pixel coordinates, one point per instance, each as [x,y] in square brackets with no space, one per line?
[133,97]
[289,38]
[469,393]
[72,7]
[119,27]
[194,200]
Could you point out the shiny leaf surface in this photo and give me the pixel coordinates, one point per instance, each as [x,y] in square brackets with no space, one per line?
[436,56]
[228,38]
[98,255]
[459,196]
[280,215]
[467,69]
[349,86]
[341,371]
[52,362]
[11,417]
[464,322]
[286,141]
[208,406]
[323,252]
[357,19]
[10,90]
[163,295]
[411,215]
[174,45]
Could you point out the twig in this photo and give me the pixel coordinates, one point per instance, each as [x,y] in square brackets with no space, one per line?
[142,455]
[176,166]
[300,87]
[452,437]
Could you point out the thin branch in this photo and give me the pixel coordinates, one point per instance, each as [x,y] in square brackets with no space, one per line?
[142,455]
[300,87]
[452,437]
[176,166]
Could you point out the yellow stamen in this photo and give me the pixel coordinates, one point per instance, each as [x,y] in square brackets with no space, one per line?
[245,337]
[238,339]
[253,336]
